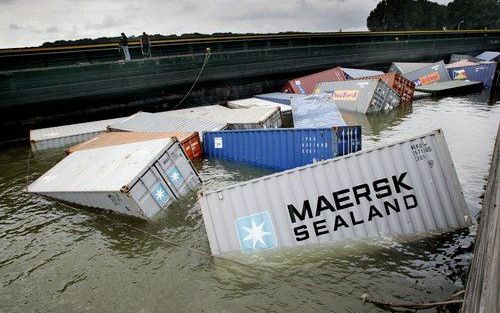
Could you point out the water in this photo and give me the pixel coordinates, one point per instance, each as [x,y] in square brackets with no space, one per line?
[57,259]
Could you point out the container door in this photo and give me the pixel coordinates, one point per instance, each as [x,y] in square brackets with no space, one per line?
[152,193]
[177,170]
[347,139]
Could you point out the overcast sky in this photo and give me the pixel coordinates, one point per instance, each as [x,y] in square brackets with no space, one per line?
[33,22]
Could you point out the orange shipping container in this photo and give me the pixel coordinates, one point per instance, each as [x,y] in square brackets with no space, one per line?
[190,141]
[404,87]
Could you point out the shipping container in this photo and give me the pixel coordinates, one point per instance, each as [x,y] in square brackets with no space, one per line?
[459,57]
[493,56]
[252,118]
[431,74]
[354,73]
[190,141]
[316,111]
[278,97]
[482,72]
[286,109]
[452,87]
[363,96]
[281,149]
[406,67]
[305,85]
[404,87]
[62,136]
[406,188]
[421,95]
[138,179]
[154,122]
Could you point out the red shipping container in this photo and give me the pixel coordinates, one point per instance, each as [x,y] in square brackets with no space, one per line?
[190,141]
[404,87]
[305,85]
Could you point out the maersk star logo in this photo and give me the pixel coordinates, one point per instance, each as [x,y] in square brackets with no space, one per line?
[255,232]
[160,195]
[175,176]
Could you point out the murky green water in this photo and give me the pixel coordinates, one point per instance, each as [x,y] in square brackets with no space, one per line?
[57,259]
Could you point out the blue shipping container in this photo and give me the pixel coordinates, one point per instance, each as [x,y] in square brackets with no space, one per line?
[278,97]
[282,148]
[316,111]
[481,72]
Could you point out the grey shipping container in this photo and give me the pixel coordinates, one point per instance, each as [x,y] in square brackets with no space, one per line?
[249,103]
[279,97]
[251,118]
[363,96]
[433,73]
[355,73]
[316,111]
[154,122]
[138,179]
[406,187]
[406,67]
[62,136]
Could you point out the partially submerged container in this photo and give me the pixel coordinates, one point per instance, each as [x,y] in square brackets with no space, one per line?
[285,109]
[252,118]
[305,85]
[363,96]
[482,72]
[406,67]
[460,57]
[62,136]
[406,187]
[282,148]
[138,179]
[190,141]
[404,87]
[355,73]
[278,97]
[493,56]
[431,74]
[316,111]
[154,122]
[452,87]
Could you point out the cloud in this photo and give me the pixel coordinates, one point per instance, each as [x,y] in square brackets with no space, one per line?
[96,18]
[52,29]
[14,27]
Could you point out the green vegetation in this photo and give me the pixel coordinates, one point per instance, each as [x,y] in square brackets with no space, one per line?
[155,37]
[427,15]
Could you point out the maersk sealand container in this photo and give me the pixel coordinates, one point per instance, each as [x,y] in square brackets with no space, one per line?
[282,148]
[481,72]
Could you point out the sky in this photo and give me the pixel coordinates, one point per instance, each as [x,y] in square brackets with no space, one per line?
[25,23]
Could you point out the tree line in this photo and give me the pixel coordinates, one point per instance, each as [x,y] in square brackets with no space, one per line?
[427,15]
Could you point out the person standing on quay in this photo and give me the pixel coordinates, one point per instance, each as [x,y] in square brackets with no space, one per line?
[145,45]
[124,47]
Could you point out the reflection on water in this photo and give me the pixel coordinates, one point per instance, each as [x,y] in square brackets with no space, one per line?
[55,258]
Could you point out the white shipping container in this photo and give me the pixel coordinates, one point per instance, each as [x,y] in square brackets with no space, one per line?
[252,118]
[258,103]
[138,179]
[403,188]
[61,136]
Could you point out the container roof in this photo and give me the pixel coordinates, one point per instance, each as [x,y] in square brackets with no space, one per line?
[406,67]
[488,55]
[71,130]
[101,169]
[257,103]
[360,73]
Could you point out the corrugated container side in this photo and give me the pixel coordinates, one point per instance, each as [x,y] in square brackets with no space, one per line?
[282,149]
[137,179]
[316,111]
[363,96]
[434,73]
[404,87]
[489,56]
[61,136]
[403,188]
[305,85]
[482,72]
[406,67]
